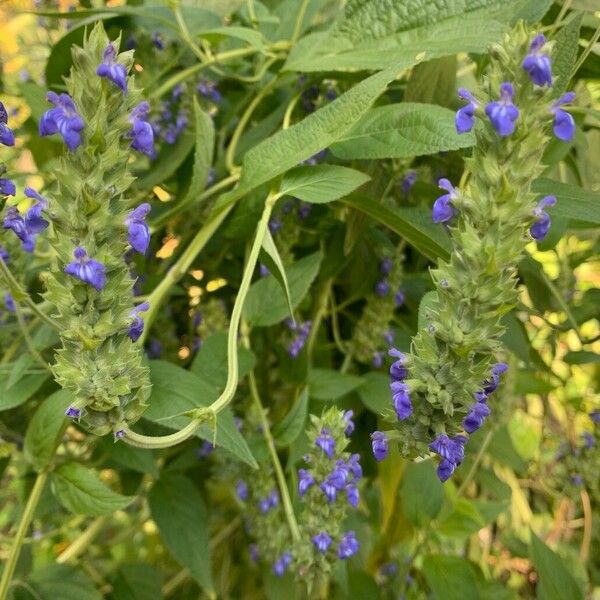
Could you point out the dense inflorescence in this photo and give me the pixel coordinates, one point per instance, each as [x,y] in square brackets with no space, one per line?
[440,389]
[102,120]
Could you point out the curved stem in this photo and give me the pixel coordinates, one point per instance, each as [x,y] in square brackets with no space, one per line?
[185,34]
[266,430]
[299,20]
[209,413]
[20,294]
[26,518]
[82,541]
[235,138]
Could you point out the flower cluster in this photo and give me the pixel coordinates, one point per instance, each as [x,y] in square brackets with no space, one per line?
[172,120]
[101,119]
[373,332]
[301,332]
[489,220]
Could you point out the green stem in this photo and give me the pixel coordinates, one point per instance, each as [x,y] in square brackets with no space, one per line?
[478,459]
[185,34]
[28,341]
[26,518]
[586,52]
[209,413]
[20,294]
[266,430]
[82,541]
[318,318]
[299,20]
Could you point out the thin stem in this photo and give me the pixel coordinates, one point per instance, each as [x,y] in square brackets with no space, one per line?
[318,318]
[467,480]
[266,430]
[252,14]
[28,341]
[20,294]
[561,15]
[26,518]
[235,138]
[287,117]
[584,552]
[82,541]
[299,20]
[586,52]
[209,413]
[185,34]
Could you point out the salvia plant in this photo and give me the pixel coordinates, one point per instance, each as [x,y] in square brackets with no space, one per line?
[299,299]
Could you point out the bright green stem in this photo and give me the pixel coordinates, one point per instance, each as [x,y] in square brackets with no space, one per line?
[266,430]
[209,413]
[26,517]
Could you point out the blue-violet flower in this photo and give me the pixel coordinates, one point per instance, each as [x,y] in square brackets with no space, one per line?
[63,119]
[503,113]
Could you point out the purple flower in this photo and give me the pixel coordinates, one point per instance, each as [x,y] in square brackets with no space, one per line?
[205,450]
[34,222]
[465,116]
[141,131]
[302,331]
[63,119]
[274,498]
[339,475]
[449,448]
[377,359]
[111,69]
[263,270]
[330,489]
[388,336]
[379,443]
[503,113]
[399,298]
[541,226]
[490,385]
[137,325]
[137,228]
[282,563]
[348,414]
[4,255]
[445,469]
[480,396]
[322,541]
[9,303]
[564,124]
[538,65]
[86,269]
[209,89]
[241,489]
[348,545]
[352,495]
[382,288]
[385,266]
[119,435]
[154,349]
[354,466]
[398,371]
[477,415]
[305,480]
[401,400]
[7,137]
[595,416]
[254,552]
[157,41]
[7,187]
[577,479]
[73,412]
[13,220]
[326,442]
[408,182]
[442,210]
[588,439]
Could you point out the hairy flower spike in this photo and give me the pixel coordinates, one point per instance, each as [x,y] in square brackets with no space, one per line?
[63,119]
[503,113]
[111,69]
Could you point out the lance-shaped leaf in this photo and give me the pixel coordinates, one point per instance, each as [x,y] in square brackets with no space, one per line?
[275,265]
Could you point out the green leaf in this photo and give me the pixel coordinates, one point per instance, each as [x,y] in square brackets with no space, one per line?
[57,582]
[422,493]
[326,384]
[572,202]
[292,425]
[81,491]
[581,357]
[203,153]
[321,183]
[412,224]
[565,54]
[428,301]
[433,82]
[555,582]
[44,429]
[277,269]
[287,148]
[253,37]
[179,512]
[176,391]
[375,392]
[266,303]
[136,581]
[21,391]
[136,459]
[210,363]
[401,131]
